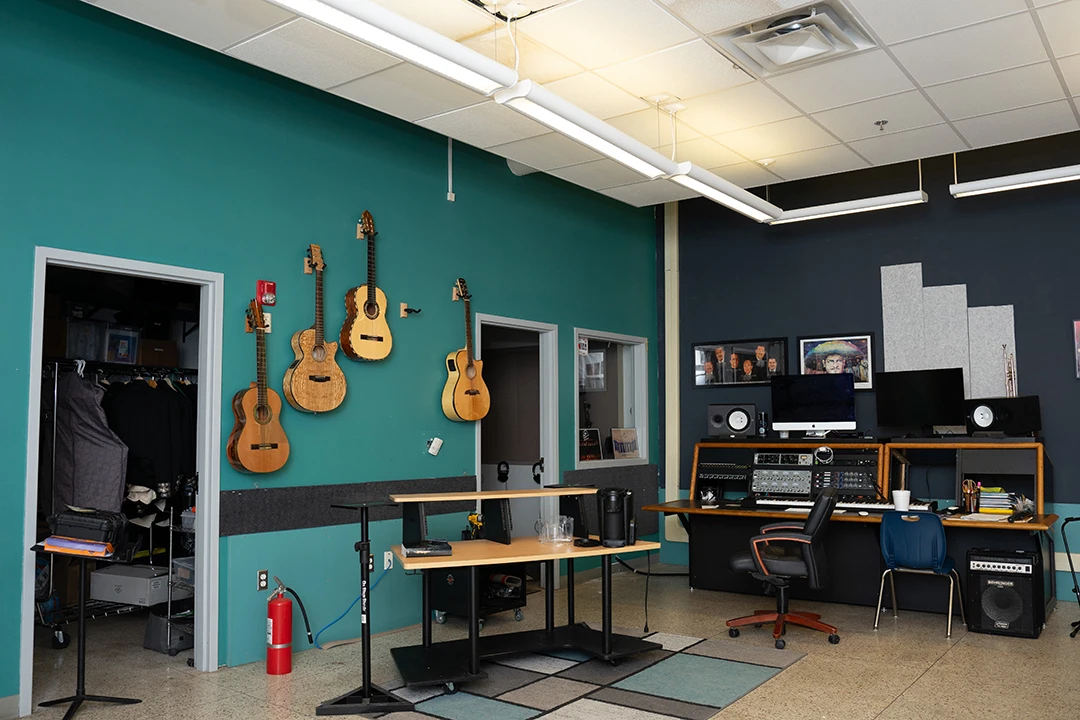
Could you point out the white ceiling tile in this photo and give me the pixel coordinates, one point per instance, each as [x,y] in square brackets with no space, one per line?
[408,92]
[651,127]
[708,16]
[484,125]
[903,111]
[895,22]
[1062,25]
[819,161]
[312,54]
[595,33]
[598,174]
[921,143]
[1015,125]
[703,152]
[995,45]
[537,62]
[1005,90]
[651,192]
[746,175]
[453,18]
[596,96]
[841,82]
[740,107]
[684,71]
[546,152]
[216,24]
[780,138]
[1070,68]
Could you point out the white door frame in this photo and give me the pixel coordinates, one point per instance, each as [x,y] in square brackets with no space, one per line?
[211,313]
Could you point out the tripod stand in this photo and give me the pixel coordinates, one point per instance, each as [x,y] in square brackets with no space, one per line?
[1072,570]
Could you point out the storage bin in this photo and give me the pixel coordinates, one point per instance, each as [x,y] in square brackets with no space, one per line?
[184,570]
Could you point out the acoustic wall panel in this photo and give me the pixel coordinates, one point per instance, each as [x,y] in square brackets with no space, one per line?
[945,330]
[902,317]
[988,329]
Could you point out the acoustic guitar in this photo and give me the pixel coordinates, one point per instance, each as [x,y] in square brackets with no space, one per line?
[314,383]
[257,443]
[465,396]
[366,334]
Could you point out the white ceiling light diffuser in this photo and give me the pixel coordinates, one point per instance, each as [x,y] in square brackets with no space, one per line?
[540,104]
[380,28]
[881,202]
[1015,182]
[725,193]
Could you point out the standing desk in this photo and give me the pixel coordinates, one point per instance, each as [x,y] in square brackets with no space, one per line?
[458,661]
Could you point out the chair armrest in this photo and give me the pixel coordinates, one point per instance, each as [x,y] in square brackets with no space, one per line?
[758,541]
[773,527]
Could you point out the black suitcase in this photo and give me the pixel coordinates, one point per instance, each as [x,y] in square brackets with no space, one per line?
[96,525]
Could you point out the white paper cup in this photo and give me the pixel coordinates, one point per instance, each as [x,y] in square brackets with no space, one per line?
[901,499]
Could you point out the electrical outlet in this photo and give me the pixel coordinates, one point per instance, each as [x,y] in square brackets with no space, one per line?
[269,321]
[388,560]
[264,580]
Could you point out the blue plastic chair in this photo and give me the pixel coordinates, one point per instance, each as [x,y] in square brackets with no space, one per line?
[914,542]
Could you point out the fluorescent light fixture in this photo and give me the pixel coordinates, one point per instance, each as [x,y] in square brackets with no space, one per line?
[1015,182]
[724,192]
[380,28]
[540,104]
[854,206]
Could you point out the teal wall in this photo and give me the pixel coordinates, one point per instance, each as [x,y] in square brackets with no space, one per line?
[119,140]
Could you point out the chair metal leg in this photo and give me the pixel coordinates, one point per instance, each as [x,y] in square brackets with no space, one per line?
[880,596]
[960,597]
[948,625]
[892,589]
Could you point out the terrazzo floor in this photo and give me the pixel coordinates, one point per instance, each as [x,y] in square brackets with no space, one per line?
[905,670]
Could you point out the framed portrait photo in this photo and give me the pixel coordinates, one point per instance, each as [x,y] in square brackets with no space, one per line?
[838,354]
[738,362]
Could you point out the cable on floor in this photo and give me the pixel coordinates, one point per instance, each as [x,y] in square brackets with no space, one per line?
[342,615]
[648,556]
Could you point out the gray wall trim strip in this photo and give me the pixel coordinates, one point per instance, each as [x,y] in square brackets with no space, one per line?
[9,707]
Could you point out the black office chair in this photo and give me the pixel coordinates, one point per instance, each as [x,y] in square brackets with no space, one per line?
[786,550]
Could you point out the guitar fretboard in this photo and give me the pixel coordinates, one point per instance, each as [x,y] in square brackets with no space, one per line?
[371,268]
[318,308]
[260,360]
[468,332]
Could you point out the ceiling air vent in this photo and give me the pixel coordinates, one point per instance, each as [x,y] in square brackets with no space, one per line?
[798,38]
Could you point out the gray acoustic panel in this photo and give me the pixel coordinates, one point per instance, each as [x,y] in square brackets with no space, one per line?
[902,316]
[945,330]
[642,480]
[989,328]
[244,512]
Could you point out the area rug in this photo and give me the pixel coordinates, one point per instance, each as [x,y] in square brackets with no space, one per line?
[688,677]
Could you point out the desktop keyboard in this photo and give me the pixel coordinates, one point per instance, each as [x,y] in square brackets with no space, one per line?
[868,505]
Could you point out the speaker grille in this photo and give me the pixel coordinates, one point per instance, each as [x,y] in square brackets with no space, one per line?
[1001,604]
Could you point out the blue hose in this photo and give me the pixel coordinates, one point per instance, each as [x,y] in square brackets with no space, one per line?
[373,585]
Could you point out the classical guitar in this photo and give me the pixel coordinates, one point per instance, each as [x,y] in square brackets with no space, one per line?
[314,382]
[257,443]
[465,396]
[366,334]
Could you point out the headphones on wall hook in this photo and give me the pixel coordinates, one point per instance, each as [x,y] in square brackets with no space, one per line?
[503,469]
[536,473]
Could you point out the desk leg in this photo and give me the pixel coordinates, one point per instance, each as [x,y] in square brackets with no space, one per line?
[570,591]
[549,595]
[474,620]
[605,588]
[425,618]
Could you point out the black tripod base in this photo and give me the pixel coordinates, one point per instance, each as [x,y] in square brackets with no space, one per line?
[1076,629]
[358,702]
[77,700]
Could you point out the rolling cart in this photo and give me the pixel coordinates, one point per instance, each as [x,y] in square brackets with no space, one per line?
[501,588]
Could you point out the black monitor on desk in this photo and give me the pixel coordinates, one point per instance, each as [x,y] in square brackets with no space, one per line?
[919,400]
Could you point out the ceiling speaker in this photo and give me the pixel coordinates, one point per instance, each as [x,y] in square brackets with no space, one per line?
[1015,416]
[732,420]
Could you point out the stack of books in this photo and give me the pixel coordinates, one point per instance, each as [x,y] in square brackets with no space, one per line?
[996,500]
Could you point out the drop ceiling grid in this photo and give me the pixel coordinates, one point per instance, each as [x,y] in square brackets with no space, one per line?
[216,24]
[1041,29]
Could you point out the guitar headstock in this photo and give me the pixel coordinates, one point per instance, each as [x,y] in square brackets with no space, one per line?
[462,289]
[315,259]
[366,227]
[255,319]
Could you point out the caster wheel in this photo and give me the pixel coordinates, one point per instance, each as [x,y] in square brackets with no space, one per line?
[733,632]
[833,639]
[191,662]
[173,652]
[613,663]
[60,640]
[780,644]
[518,615]
[439,615]
[451,688]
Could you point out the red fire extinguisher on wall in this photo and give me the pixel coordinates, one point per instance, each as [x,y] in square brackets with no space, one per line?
[279,629]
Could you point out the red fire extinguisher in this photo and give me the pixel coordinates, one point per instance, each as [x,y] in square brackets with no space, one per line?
[279,629]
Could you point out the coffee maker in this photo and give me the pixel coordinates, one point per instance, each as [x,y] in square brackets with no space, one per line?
[615,507]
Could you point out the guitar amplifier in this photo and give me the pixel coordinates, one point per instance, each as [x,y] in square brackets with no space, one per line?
[1005,592]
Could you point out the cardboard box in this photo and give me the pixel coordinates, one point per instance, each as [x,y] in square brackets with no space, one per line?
[133,585]
[157,353]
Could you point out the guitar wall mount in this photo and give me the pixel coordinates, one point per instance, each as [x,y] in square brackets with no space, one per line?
[406,310]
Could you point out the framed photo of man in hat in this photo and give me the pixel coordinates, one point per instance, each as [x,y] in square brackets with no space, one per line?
[838,354]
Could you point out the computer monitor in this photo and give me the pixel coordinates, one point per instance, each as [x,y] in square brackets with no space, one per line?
[920,399]
[813,402]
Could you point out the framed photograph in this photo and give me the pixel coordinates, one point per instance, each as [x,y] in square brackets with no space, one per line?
[624,443]
[738,362]
[589,445]
[1076,346]
[122,345]
[591,367]
[836,354]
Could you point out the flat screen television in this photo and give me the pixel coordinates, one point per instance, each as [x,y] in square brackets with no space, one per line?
[813,402]
[920,399]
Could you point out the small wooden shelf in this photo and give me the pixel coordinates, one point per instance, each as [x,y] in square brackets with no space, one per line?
[520,549]
[491,494]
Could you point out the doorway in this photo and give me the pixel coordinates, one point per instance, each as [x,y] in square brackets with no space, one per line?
[109,341]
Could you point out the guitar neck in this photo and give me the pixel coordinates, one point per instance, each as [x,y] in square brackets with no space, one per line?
[468,332]
[260,361]
[371,268]
[318,308]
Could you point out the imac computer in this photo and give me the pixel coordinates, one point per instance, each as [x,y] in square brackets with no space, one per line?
[920,399]
[813,403]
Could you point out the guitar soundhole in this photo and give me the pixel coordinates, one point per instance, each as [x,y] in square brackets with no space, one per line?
[263,414]
[371,310]
[319,353]
[470,372]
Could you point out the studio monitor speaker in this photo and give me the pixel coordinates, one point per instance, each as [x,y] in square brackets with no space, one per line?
[1004,416]
[732,420]
[1005,592]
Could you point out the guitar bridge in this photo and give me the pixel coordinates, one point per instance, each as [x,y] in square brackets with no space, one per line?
[472,392]
[264,446]
[376,338]
[319,378]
